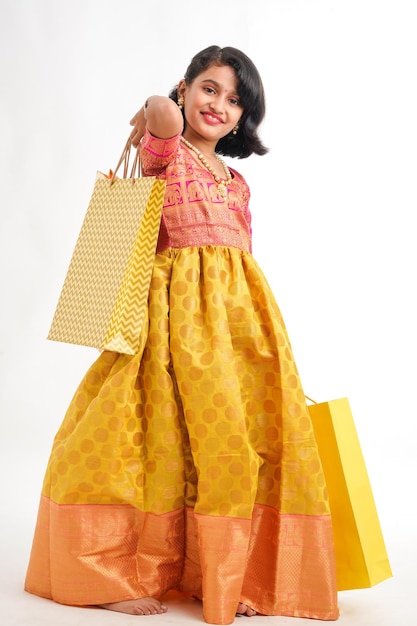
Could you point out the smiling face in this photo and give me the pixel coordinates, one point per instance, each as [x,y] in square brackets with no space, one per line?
[211,105]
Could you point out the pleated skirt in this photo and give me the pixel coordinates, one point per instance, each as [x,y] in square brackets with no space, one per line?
[191,465]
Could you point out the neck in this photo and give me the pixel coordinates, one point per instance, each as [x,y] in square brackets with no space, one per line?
[206,147]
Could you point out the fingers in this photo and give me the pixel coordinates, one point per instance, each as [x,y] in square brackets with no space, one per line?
[135,136]
[138,130]
[138,122]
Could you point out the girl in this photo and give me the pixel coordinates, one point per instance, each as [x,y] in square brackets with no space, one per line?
[192,465]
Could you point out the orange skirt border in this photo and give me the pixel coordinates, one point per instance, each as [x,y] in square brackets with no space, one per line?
[279,564]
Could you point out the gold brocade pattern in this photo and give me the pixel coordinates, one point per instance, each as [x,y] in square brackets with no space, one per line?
[277,564]
[194,212]
[214,392]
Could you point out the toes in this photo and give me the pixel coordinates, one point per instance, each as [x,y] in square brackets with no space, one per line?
[141,606]
[244,609]
[138,611]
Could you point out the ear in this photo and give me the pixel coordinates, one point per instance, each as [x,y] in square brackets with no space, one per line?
[181,87]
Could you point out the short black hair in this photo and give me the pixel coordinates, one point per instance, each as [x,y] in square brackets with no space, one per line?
[251,95]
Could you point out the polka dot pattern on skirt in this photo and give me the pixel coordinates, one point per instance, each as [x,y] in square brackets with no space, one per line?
[209,414]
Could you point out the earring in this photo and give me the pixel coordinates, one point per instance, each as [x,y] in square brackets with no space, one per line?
[235,129]
[180,102]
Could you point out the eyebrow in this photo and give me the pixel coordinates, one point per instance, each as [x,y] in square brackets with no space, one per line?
[216,84]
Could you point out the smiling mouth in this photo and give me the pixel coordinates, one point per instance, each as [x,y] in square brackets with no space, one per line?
[214,119]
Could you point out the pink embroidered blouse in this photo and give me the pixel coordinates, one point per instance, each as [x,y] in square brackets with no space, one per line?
[194,213]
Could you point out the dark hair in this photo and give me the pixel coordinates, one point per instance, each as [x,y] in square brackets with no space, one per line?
[251,95]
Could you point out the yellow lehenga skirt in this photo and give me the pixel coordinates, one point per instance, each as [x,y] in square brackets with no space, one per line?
[191,465]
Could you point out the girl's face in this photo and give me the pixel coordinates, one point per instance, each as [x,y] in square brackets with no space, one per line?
[211,104]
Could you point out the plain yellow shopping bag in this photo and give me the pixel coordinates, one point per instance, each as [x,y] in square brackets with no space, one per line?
[361,556]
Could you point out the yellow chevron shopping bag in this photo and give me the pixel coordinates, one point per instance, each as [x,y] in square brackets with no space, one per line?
[361,556]
[104,297]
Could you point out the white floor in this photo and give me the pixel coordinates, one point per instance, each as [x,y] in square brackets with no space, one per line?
[391,603]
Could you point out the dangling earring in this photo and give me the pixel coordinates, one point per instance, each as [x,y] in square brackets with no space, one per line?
[180,102]
[235,129]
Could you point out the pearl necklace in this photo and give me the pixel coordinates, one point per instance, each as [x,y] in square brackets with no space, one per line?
[221,184]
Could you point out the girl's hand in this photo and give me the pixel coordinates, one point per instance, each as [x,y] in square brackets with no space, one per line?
[138,122]
[160,115]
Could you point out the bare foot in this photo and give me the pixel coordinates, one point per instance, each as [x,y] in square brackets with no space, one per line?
[244,609]
[141,606]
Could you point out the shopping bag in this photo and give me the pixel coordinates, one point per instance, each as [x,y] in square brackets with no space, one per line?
[103,301]
[361,556]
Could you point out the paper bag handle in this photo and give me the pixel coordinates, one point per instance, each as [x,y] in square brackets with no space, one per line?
[125,158]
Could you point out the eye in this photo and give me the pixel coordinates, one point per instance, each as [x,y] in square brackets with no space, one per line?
[234,101]
[209,89]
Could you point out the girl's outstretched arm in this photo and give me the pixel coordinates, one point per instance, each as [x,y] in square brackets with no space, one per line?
[160,115]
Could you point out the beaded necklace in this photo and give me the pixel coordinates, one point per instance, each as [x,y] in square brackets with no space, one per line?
[221,184]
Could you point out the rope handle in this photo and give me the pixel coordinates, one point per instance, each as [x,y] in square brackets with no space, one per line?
[124,159]
[310,399]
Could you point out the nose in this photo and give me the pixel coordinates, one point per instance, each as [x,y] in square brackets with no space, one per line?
[217,105]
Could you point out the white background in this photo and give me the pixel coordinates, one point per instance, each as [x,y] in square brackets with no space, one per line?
[333,207]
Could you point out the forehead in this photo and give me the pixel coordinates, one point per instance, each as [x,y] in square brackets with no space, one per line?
[223,75]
